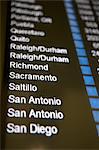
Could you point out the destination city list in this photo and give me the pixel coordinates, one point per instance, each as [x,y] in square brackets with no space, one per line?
[25,16]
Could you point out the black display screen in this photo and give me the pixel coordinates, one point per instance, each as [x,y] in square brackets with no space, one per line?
[50,86]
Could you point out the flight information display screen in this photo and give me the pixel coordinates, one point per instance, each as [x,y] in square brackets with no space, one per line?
[50,86]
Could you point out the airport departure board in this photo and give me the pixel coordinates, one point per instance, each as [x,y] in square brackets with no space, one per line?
[50,86]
